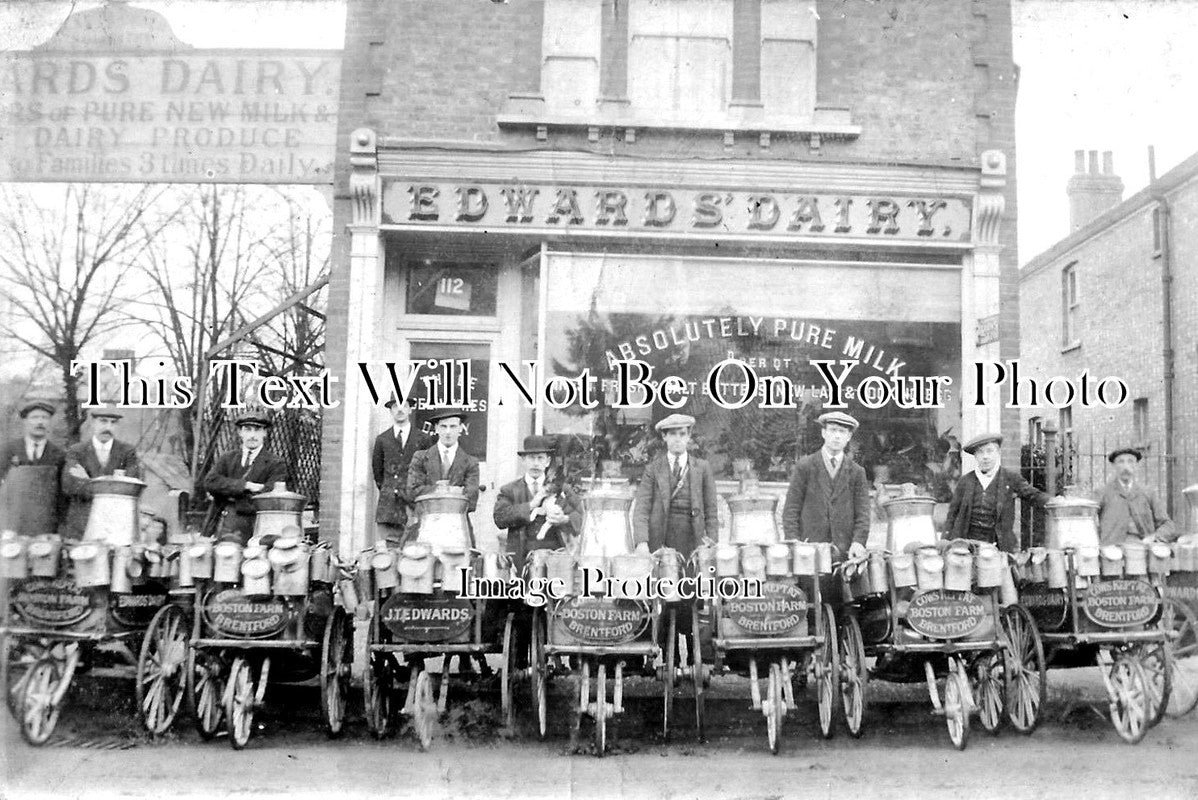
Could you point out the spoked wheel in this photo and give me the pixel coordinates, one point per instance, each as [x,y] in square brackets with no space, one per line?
[667,676]
[41,701]
[20,656]
[827,674]
[958,701]
[336,653]
[539,662]
[698,676]
[1179,619]
[989,672]
[424,712]
[161,669]
[507,672]
[1024,668]
[1157,660]
[601,706]
[239,702]
[205,690]
[377,688]
[853,675]
[1127,687]
[774,708]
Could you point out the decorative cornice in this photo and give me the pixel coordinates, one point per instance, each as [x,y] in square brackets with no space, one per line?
[364,176]
[991,200]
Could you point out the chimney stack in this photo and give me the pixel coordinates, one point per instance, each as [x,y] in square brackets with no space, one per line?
[1092,192]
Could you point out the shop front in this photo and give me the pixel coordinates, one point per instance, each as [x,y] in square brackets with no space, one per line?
[575,262]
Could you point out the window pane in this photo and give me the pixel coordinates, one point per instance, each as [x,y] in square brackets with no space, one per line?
[452,289]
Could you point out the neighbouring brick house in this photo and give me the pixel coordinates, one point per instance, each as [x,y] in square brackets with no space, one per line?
[1119,296]
[578,181]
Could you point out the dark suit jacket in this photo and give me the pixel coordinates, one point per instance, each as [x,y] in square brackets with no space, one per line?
[649,517]
[820,509]
[15,511]
[1010,485]
[232,509]
[512,508]
[425,470]
[389,463]
[12,454]
[78,491]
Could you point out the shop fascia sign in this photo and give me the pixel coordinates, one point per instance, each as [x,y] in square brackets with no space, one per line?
[516,206]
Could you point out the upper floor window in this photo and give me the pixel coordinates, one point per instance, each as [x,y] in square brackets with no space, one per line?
[1069,306]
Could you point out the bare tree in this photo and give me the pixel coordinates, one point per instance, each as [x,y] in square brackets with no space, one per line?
[62,267]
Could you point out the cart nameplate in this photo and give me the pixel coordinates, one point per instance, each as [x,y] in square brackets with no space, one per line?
[1121,603]
[427,618]
[234,614]
[137,609]
[941,614]
[600,621]
[1183,587]
[780,611]
[1048,607]
[56,602]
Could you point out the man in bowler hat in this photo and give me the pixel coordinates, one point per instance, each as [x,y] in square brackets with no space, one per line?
[389,461]
[237,476]
[536,512]
[828,497]
[103,454]
[1129,510]
[983,504]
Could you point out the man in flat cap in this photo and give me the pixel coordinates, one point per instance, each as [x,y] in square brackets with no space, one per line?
[102,454]
[389,461]
[445,460]
[676,498]
[983,504]
[1129,510]
[535,509]
[828,497]
[237,476]
[31,504]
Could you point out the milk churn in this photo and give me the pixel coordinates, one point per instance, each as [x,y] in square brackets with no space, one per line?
[290,566]
[1056,573]
[14,557]
[1112,561]
[778,560]
[727,560]
[44,554]
[200,554]
[226,562]
[451,562]
[1135,558]
[443,521]
[1072,522]
[805,555]
[321,567]
[91,564]
[958,568]
[753,515]
[929,569]
[910,519]
[752,562]
[991,566]
[1160,556]
[416,568]
[902,570]
[1086,562]
[278,510]
[114,517]
[255,571]
[606,529]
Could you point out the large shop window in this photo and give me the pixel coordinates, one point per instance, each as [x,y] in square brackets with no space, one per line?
[685,315]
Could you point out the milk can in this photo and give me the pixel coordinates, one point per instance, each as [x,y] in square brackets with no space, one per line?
[1056,573]
[321,563]
[290,567]
[991,566]
[958,568]
[752,562]
[878,580]
[1160,555]
[200,556]
[824,559]
[777,560]
[805,556]
[1086,562]
[668,567]
[1191,493]
[114,516]
[91,564]
[14,557]
[184,577]
[591,569]
[123,564]
[636,569]
[385,564]
[535,564]
[43,556]
[910,520]
[416,568]
[1072,522]
[606,529]
[1112,561]
[452,561]
[1135,558]
[752,515]
[902,570]
[496,566]
[443,520]
[255,573]
[929,569]
[1007,594]
[704,558]
[226,562]
[364,574]
[157,565]
[727,561]
[278,513]
[1037,565]
[1187,554]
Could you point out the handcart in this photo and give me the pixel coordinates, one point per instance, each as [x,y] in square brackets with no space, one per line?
[939,611]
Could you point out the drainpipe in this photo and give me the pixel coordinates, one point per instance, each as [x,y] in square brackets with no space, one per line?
[1167,354]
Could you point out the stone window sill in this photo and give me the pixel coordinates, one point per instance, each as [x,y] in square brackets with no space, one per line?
[1069,348]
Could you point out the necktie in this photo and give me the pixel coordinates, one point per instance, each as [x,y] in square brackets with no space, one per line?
[677,471]
[37,451]
[245,458]
[446,462]
[536,488]
[835,463]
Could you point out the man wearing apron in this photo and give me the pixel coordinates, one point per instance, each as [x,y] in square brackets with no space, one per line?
[103,454]
[983,504]
[29,498]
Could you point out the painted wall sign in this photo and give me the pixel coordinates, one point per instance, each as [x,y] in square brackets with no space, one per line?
[1048,607]
[232,613]
[135,610]
[148,108]
[941,614]
[780,611]
[427,618]
[1121,603]
[515,206]
[54,602]
[600,621]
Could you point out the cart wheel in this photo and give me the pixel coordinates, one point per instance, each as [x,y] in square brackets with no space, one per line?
[774,708]
[239,704]
[40,702]
[1184,624]
[377,688]
[671,655]
[698,676]
[1157,660]
[20,657]
[424,714]
[958,699]
[991,682]
[854,677]
[161,673]
[1127,687]
[507,673]
[336,652]
[540,674]
[205,690]
[827,674]
[1024,669]
[601,707]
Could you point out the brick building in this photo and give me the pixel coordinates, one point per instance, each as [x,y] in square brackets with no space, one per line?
[579,181]
[1119,297]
